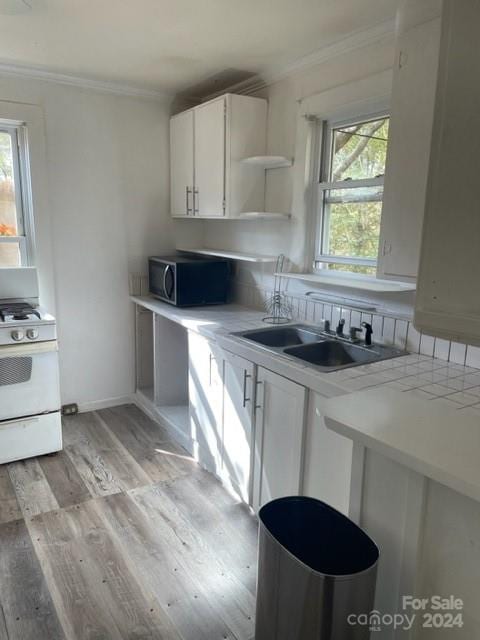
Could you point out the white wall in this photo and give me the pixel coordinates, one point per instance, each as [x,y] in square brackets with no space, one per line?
[285,99]
[108,173]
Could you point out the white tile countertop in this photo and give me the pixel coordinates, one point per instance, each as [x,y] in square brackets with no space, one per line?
[414,433]
[442,383]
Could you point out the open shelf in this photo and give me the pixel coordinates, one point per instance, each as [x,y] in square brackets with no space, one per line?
[231,255]
[147,393]
[351,282]
[269,162]
[176,416]
[263,215]
[248,215]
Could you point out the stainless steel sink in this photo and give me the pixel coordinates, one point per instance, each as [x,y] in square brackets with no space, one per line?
[283,336]
[323,351]
[333,353]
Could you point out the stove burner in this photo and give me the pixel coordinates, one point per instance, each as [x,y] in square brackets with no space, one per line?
[17,311]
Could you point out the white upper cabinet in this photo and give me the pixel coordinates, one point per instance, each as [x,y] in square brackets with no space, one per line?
[213,139]
[448,300]
[181,164]
[209,159]
[410,135]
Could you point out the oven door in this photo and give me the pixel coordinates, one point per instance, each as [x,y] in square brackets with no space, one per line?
[161,277]
[29,382]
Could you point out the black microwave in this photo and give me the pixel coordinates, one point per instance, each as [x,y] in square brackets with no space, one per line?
[188,280]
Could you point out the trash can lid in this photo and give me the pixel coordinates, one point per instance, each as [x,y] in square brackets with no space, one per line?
[319,536]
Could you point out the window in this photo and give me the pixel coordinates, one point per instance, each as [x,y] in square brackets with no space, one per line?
[351,194]
[15,228]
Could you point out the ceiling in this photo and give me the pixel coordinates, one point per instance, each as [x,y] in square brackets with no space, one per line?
[169,45]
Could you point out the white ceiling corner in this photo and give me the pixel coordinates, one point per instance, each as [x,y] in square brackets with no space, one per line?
[159,48]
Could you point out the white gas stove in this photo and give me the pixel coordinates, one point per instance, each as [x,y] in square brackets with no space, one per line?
[30,422]
[21,322]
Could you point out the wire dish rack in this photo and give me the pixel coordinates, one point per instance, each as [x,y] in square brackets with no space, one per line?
[277,306]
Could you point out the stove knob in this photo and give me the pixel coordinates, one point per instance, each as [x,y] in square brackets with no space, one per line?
[32,334]
[17,335]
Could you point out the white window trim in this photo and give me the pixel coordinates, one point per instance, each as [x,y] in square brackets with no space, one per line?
[325,137]
[23,194]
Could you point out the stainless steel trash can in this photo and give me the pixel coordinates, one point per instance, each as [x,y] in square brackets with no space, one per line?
[316,572]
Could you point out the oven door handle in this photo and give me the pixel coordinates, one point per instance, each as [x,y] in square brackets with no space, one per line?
[28,349]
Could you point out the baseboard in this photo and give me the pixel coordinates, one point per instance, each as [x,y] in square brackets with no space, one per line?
[104,404]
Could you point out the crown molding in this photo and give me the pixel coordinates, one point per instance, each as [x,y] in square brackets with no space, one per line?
[357,40]
[35,73]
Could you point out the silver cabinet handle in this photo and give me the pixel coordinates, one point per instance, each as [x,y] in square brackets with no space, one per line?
[188,191]
[245,399]
[196,198]
[258,406]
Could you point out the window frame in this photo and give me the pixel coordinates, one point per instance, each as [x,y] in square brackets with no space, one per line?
[323,184]
[23,194]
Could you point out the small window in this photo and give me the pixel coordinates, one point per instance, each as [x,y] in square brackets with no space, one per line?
[15,230]
[351,195]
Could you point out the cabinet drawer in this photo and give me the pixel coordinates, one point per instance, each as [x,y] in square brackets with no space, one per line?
[30,437]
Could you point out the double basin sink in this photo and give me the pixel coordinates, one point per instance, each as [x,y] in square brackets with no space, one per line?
[322,350]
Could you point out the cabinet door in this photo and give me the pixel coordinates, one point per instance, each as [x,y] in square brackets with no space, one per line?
[328,459]
[237,423]
[447,300]
[279,434]
[205,380]
[210,159]
[181,164]
[410,137]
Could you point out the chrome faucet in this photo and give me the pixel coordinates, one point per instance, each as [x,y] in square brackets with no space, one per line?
[353,334]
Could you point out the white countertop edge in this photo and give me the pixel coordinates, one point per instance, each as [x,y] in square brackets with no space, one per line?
[434,442]
[314,380]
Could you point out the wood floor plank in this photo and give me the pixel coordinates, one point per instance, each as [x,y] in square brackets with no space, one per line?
[160,458]
[28,610]
[234,603]
[33,492]
[140,419]
[9,507]
[100,459]
[65,482]
[146,544]
[133,538]
[219,519]
[94,591]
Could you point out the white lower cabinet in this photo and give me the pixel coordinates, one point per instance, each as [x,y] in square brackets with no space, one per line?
[247,423]
[328,459]
[220,394]
[238,379]
[205,391]
[279,436]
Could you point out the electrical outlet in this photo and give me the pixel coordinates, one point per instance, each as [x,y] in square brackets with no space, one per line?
[70,409]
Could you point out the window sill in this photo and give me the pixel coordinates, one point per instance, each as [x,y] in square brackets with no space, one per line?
[364,283]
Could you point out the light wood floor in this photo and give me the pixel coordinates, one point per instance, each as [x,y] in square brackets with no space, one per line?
[122,535]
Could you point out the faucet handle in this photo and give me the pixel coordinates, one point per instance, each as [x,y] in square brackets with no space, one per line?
[368,333]
[325,324]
